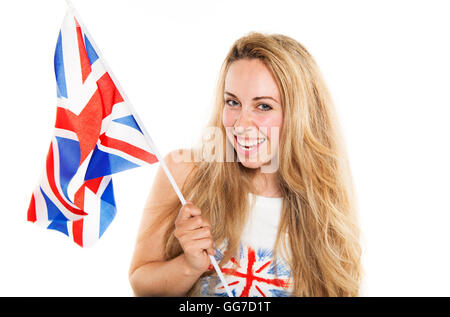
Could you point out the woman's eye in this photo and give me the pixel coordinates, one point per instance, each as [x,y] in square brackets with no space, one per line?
[232,103]
[264,107]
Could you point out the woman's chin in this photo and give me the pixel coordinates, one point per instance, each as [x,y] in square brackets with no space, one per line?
[250,162]
[251,165]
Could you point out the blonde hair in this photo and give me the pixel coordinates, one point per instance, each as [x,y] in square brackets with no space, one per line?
[318,210]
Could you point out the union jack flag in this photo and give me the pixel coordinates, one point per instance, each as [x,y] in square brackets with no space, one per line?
[257,274]
[96,135]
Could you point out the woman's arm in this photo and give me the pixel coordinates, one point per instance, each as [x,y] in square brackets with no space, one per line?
[152,275]
[159,278]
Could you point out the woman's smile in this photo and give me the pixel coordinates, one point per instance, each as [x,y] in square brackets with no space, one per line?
[246,146]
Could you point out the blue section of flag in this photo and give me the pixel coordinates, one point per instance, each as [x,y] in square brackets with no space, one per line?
[129,121]
[59,225]
[279,293]
[107,208]
[263,254]
[108,194]
[92,54]
[58,220]
[279,269]
[59,69]
[69,161]
[218,256]
[103,164]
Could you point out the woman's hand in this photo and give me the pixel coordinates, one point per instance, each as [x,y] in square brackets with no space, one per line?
[194,234]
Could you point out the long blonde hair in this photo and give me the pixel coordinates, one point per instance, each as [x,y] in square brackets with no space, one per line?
[318,210]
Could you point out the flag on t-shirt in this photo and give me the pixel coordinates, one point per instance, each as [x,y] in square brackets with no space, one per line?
[96,135]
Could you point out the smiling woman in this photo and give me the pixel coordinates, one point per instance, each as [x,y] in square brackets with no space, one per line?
[252,111]
[287,230]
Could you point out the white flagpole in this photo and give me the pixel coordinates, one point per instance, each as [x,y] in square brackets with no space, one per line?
[147,136]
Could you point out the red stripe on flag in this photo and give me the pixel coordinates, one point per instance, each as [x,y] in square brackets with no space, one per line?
[260,291]
[84,59]
[250,277]
[128,149]
[262,267]
[109,94]
[31,215]
[79,197]
[86,125]
[230,284]
[51,181]
[94,184]
[65,119]
[77,232]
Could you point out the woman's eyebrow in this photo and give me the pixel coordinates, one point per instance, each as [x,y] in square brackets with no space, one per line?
[256,98]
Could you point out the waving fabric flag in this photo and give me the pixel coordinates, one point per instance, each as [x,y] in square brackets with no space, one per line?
[96,135]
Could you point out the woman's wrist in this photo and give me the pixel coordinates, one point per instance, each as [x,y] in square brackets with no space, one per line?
[188,270]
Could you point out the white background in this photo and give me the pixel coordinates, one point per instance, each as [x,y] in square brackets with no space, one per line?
[387,64]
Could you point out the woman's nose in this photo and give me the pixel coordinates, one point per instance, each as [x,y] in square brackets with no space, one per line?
[243,122]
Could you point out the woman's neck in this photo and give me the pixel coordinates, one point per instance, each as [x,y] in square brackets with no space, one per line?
[267,184]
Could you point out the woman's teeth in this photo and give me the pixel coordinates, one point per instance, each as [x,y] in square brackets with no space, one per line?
[248,144]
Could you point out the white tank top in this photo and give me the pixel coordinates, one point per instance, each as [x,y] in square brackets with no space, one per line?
[258,273]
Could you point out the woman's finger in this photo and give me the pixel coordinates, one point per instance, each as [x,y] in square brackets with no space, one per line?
[187,211]
[200,245]
[197,234]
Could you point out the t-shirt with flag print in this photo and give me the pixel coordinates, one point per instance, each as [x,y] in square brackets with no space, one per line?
[254,272]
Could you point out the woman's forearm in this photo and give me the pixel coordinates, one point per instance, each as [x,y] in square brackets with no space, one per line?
[168,278]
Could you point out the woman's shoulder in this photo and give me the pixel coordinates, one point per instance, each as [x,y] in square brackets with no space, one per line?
[180,163]
[162,192]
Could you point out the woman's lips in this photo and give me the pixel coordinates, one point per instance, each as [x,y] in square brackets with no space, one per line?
[253,145]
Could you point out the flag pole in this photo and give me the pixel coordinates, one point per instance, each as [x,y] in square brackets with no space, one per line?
[147,136]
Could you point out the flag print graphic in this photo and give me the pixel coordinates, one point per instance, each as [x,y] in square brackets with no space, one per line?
[256,275]
[96,135]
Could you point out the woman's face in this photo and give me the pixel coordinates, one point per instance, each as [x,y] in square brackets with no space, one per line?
[252,114]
